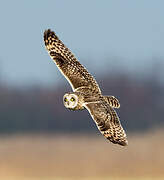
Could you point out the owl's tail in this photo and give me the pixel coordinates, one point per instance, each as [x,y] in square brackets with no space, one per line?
[112,101]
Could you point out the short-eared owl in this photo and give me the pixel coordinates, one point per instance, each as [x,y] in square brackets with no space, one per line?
[86,92]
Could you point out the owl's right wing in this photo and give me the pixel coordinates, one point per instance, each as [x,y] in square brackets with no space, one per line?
[69,66]
[107,122]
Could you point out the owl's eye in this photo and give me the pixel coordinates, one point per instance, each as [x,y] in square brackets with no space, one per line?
[72,99]
[65,99]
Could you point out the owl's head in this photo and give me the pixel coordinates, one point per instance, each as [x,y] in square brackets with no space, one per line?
[70,100]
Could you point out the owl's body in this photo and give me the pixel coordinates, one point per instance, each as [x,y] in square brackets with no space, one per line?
[86,92]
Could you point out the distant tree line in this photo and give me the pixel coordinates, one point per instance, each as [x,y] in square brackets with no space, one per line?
[40,109]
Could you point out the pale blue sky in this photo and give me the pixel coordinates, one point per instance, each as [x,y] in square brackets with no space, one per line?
[100,33]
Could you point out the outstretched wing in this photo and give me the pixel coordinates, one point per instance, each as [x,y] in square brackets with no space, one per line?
[107,122]
[70,67]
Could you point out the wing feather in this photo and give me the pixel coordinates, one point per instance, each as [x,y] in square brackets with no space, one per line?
[69,66]
[107,122]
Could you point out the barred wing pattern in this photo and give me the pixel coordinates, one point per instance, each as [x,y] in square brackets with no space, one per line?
[69,66]
[100,107]
[107,122]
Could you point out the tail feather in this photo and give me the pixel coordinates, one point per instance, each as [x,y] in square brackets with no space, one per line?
[112,101]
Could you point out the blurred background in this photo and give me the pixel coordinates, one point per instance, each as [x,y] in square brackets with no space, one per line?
[121,44]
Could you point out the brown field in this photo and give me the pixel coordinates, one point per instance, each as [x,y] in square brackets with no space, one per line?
[47,157]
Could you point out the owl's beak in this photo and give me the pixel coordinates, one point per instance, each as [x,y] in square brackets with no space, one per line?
[68,103]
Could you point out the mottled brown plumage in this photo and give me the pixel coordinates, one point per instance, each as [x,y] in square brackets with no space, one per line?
[107,122]
[86,92]
[114,102]
[68,64]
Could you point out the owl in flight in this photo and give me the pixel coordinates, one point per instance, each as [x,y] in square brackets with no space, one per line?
[86,92]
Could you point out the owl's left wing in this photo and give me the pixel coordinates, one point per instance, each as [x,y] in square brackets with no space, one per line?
[107,122]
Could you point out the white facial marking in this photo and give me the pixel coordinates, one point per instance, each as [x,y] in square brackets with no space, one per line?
[70,100]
